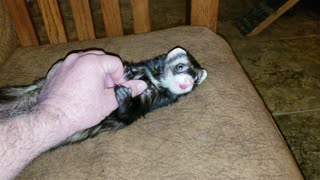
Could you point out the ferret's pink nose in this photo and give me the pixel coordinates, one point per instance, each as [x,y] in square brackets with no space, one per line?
[184,86]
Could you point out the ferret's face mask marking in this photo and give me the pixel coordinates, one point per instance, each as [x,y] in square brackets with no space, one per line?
[181,72]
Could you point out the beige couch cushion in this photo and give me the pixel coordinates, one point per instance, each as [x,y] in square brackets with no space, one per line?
[220,131]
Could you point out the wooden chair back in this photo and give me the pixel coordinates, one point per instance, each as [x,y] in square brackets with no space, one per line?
[203,13]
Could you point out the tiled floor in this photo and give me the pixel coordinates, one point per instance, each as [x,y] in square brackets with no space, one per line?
[283,63]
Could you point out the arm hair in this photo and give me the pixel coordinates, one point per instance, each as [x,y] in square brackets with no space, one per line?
[26,136]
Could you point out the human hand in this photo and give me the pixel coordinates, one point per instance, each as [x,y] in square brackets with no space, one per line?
[80,88]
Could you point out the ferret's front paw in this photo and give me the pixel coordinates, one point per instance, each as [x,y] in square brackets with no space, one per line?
[123,94]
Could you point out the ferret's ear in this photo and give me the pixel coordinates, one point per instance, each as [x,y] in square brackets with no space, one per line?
[202,76]
[176,51]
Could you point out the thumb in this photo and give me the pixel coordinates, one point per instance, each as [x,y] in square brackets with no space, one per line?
[136,86]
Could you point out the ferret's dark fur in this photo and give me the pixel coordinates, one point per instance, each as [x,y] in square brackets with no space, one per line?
[163,74]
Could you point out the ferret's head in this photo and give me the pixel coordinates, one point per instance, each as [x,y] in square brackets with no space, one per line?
[181,72]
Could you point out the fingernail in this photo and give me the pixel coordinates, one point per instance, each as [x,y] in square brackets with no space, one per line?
[141,87]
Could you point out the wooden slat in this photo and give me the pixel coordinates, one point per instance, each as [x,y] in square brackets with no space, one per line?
[273,17]
[205,13]
[52,21]
[82,18]
[22,21]
[141,17]
[112,17]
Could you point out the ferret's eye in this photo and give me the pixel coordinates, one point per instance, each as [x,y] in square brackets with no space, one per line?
[181,67]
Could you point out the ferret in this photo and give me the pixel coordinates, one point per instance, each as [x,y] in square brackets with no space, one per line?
[168,77]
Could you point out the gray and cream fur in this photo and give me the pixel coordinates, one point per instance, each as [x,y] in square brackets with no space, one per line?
[168,76]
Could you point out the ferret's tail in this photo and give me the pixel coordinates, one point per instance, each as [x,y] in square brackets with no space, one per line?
[110,123]
[16,100]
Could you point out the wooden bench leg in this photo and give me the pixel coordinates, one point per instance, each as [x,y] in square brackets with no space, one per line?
[263,15]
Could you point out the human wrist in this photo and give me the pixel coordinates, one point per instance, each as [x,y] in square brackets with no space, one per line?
[58,121]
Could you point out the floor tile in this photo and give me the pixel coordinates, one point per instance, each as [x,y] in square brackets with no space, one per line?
[302,134]
[285,72]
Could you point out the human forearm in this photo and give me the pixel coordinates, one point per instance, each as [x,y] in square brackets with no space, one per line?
[24,137]
[78,94]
